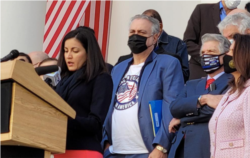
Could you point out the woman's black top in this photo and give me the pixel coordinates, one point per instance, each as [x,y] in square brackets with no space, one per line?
[91,102]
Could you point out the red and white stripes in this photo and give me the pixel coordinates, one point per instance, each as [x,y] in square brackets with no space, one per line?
[64,16]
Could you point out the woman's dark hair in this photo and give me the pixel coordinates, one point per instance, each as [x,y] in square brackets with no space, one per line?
[241,58]
[48,59]
[94,63]
[25,55]
[247,7]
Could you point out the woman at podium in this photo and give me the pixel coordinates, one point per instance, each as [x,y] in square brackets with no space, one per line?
[87,87]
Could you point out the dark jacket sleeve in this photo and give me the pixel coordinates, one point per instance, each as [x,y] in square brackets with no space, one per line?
[184,106]
[192,34]
[182,52]
[101,97]
[205,113]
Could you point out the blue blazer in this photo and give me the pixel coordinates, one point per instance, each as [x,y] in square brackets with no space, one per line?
[161,79]
[194,122]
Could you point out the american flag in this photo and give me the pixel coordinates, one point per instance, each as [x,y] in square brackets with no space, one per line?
[64,16]
[126,91]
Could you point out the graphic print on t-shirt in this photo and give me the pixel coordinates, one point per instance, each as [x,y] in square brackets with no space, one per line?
[127,96]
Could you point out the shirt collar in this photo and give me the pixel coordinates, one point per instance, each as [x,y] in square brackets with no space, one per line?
[221,5]
[216,76]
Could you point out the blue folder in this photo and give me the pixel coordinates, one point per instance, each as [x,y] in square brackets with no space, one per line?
[155,108]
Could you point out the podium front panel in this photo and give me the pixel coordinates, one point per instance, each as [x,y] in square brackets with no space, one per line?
[6,95]
[35,123]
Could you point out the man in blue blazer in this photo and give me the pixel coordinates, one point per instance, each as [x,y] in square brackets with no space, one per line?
[195,104]
[167,44]
[140,79]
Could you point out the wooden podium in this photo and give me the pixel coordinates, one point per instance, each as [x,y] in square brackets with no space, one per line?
[37,115]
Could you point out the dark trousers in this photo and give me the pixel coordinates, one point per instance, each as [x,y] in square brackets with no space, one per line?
[21,152]
[107,154]
[180,150]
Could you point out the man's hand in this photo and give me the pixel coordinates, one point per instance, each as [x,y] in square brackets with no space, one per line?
[174,122]
[157,154]
[106,146]
[210,100]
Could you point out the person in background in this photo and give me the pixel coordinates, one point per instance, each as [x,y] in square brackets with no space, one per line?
[204,19]
[87,87]
[48,62]
[229,126]
[238,11]
[145,77]
[24,57]
[247,7]
[167,44]
[235,23]
[36,57]
[109,67]
[190,110]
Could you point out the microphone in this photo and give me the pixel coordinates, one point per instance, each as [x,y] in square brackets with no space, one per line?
[46,69]
[212,87]
[53,78]
[12,55]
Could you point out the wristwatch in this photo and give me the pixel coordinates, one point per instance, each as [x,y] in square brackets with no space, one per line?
[199,100]
[164,151]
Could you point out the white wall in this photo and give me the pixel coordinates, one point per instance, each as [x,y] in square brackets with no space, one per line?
[22,25]
[175,15]
[243,4]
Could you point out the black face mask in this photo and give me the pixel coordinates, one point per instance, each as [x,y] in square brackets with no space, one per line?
[137,43]
[210,63]
[229,66]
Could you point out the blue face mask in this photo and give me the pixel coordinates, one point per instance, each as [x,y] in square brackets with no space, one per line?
[210,63]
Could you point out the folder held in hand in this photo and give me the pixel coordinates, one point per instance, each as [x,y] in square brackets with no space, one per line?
[155,108]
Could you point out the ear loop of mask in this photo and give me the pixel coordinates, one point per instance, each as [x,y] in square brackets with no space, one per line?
[151,44]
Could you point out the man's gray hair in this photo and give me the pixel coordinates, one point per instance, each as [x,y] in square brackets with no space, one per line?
[241,20]
[224,43]
[155,23]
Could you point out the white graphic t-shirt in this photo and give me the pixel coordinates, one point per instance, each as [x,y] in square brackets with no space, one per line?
[126,133]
